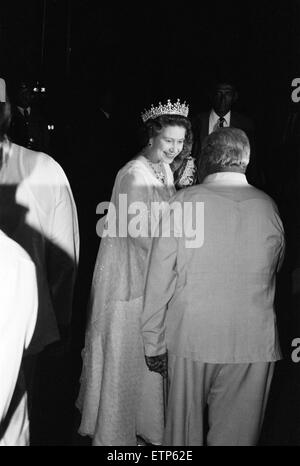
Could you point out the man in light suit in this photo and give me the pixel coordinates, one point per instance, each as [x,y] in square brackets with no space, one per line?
[209,305]
[223,96]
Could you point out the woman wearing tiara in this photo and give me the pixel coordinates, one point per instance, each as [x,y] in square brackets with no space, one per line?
[119,397]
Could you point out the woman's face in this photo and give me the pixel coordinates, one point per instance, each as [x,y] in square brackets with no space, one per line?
[167,144]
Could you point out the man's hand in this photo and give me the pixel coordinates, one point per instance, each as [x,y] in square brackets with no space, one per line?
[158,364]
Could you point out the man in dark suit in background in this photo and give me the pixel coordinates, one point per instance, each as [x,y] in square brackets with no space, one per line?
[28,127]
[223,95]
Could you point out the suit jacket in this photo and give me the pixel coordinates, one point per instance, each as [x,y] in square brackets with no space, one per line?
[213,301]
[37,210]
[32,132]
[200,125]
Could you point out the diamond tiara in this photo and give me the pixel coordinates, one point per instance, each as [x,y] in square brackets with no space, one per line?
[168,109]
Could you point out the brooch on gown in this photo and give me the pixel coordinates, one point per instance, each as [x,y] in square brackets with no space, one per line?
[186,175]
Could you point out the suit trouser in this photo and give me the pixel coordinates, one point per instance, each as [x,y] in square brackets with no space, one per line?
[236,395]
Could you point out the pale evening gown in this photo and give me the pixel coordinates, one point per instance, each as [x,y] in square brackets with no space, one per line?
[119,397]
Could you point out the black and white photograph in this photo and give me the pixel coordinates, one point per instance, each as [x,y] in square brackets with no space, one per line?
[150,226]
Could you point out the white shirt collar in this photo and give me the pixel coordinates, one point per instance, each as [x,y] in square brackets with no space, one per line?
[226,178]
[214,120]
[21,110]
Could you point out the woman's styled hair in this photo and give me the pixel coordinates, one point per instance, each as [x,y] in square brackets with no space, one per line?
[152,127]
[224,148]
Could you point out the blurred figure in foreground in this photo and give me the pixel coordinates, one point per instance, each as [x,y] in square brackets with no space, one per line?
[38,211]
[18,313]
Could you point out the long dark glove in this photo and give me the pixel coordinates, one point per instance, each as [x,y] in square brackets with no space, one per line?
[158,364]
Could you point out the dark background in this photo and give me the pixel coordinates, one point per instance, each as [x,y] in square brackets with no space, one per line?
[148,51]
[143,53]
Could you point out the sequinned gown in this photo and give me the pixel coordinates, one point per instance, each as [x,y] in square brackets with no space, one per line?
[119,397]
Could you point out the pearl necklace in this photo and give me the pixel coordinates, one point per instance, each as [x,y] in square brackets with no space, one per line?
[158,171]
